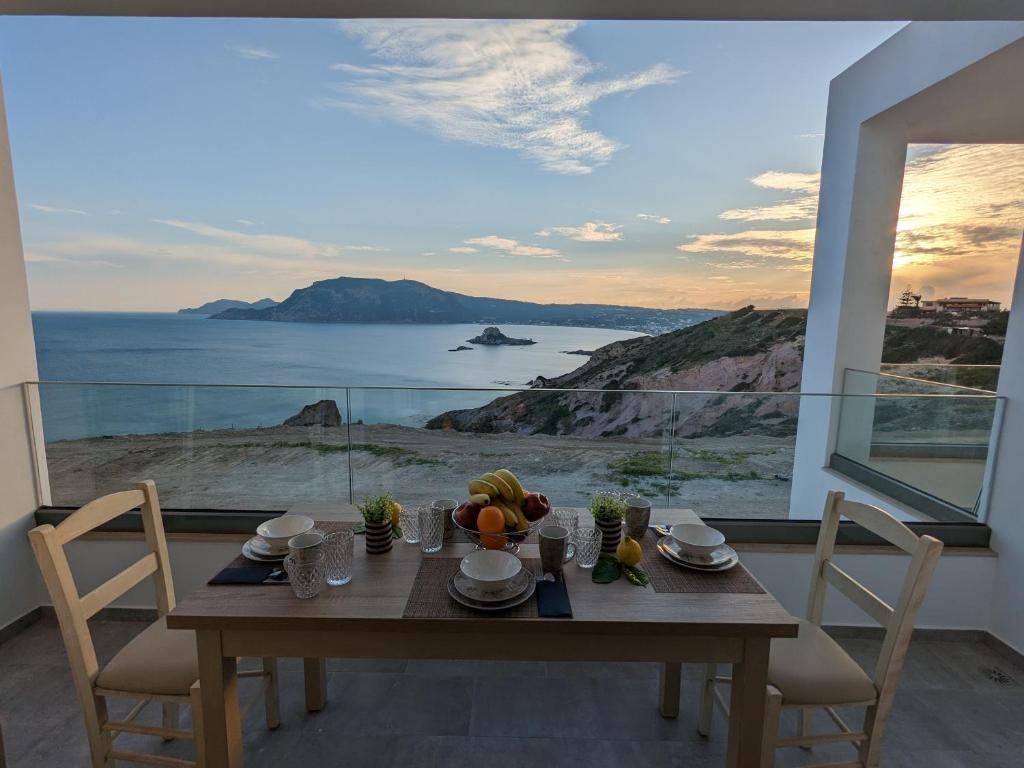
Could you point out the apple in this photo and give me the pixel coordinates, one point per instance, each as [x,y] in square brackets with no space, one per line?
[466,515]
[535,506]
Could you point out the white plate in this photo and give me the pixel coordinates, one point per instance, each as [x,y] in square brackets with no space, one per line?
[260,546]
[252,554]
[666,552]
[478,605]
[467,588]
[719,556]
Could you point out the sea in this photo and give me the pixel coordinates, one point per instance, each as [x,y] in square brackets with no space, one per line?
[93,364]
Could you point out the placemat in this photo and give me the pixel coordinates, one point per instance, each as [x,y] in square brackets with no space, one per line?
[666,577]
[429,598]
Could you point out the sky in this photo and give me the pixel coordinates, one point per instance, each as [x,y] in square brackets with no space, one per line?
[164,163]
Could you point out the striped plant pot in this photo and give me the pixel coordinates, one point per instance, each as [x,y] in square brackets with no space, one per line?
[611,534]
[378,538]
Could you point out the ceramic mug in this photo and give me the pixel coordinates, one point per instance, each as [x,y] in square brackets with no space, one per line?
[306,547]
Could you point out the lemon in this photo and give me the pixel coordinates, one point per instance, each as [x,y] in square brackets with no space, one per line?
[628,551]
[396,511]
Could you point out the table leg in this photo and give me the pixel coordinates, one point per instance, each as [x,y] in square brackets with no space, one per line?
[746,704]
[218,689]
[670,688]
[315,672]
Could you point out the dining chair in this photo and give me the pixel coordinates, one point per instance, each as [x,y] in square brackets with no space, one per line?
[812,671]
[158,665]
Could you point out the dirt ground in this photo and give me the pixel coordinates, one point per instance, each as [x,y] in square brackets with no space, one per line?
[273,468]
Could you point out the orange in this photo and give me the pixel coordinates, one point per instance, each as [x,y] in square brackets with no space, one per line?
[490,520]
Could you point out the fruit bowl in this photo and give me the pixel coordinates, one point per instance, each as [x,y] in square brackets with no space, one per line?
[508,540]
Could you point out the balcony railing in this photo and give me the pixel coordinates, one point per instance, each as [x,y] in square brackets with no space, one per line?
[979,377]
[936,440]
[226,447]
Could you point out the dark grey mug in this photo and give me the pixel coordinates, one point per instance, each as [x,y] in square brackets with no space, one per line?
[554,542]
[638,516]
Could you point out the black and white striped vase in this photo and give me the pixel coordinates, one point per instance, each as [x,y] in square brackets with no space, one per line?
[378,538]
[611,534]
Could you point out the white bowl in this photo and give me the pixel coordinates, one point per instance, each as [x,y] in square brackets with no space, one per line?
[696,538]
[278,530]
[490,569]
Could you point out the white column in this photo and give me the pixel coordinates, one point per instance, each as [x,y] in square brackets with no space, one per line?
[1006,506]
[17,365]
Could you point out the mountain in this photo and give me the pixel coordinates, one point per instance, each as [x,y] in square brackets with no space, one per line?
[742,351]
[367,300]
[220,305]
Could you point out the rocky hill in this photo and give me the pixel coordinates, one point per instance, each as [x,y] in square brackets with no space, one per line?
[221,305]
[744,351]
[364,300]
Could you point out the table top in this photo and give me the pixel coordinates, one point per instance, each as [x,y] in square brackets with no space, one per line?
[375,600]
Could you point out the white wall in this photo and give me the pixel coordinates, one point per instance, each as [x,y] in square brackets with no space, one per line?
[17,364]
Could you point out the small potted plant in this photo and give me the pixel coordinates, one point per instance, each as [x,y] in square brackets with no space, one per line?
[377,514]
[608,511]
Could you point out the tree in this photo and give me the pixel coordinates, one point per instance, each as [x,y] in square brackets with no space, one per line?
[909,299]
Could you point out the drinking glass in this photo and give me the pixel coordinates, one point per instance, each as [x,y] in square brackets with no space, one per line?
[569,519]
[409,520]
[431,529]
[588,547]
[306,576]
[340,547]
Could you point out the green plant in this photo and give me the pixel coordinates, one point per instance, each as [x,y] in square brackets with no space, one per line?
[376,509]
[607,508]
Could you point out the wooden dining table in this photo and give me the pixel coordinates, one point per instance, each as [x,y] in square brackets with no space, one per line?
[364,619]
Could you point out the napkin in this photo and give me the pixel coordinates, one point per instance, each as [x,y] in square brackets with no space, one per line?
[553,599]
[246,574]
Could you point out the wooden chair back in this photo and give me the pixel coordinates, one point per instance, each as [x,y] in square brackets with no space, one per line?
[73,609]
[897,620]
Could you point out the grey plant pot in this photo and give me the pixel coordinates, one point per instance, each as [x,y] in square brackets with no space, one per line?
[611,534]
[378,538]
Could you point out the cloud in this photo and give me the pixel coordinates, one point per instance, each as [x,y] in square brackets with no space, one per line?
[429,253]
[653,218]
[246,222]
[464,249]
[517,85]
[510,247]
[255,54]
[591,232]
[795,245]
[788,180]
[52,209]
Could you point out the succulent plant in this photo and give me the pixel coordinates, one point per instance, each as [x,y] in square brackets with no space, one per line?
[607,507]
[376,509]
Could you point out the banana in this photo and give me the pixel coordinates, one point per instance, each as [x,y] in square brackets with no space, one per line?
[480,499]
[482,486]
[503,487]
[511,521]
[521,522]
[513,482]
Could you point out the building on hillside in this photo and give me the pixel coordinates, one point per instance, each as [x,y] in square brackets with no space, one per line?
[958,304]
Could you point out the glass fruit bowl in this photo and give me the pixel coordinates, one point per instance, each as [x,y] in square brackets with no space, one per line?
[507,540]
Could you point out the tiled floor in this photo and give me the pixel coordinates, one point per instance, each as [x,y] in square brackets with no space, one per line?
[396,713]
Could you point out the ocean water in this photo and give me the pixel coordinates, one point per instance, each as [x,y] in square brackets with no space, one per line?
[306,361]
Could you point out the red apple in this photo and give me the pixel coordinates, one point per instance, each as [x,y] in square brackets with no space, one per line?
[466,515]
[535,506]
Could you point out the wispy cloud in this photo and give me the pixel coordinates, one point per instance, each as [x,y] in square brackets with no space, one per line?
[591,232]
[654,218]
[246,222]
[510,247]
[54,209]
[464,249]
[255,54]
[794,245]
[518,85]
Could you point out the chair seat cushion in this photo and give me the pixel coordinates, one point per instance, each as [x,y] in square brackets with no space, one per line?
[158,660]
[813,669]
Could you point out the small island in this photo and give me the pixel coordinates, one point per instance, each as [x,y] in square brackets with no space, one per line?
[493,337]
[461,348]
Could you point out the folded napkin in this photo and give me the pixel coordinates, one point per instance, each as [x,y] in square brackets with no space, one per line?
[553,599]
[246,574]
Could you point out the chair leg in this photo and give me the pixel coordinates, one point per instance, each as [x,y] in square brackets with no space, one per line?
[707,700]
[772,715]
[100,742]
[874,726]
[806,725]
[170,717]
[270,692]
[196,701]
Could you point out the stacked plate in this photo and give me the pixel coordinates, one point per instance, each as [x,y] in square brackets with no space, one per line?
[270,544]
[722,558]
[259,550]
[491,580]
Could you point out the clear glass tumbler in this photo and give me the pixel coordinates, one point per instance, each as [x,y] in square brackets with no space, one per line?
[307,577]
[409,520]
[340,548]
[431,529]
[588,546]
[569,519]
